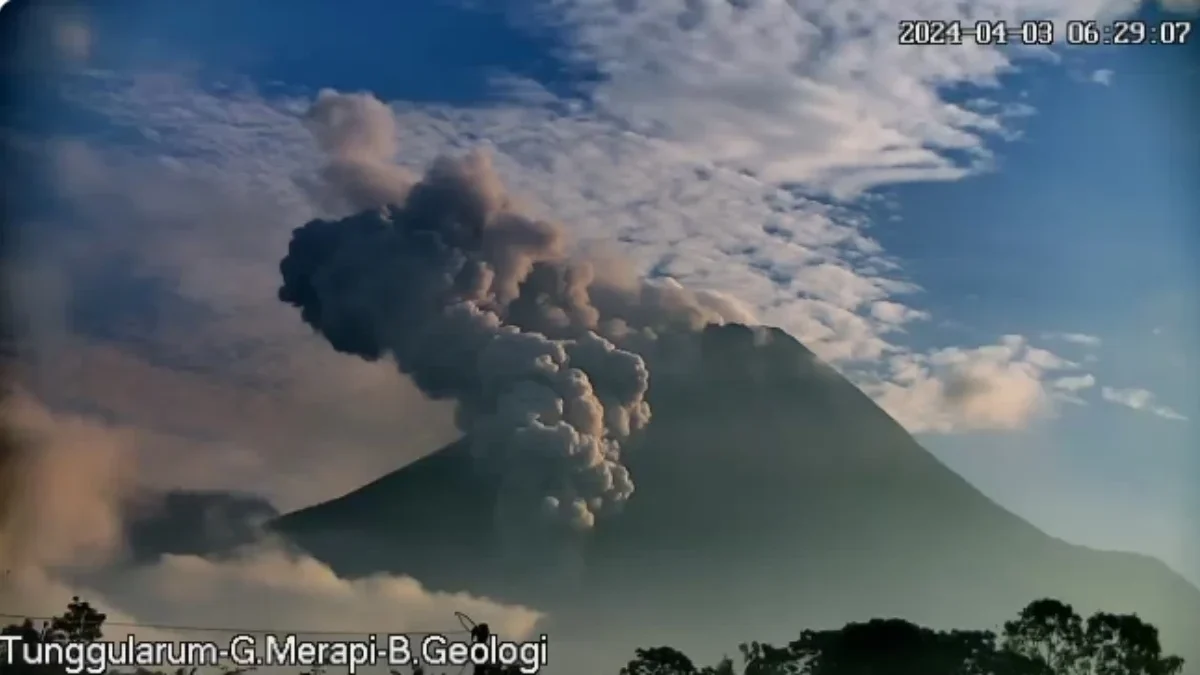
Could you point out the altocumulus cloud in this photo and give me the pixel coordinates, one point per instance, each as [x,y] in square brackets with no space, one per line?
[805,91]
[1067,388]
[796,262]
[1081,339]
[995,387]
[1139,399]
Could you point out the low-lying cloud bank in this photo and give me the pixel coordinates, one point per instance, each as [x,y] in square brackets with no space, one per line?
[63,534]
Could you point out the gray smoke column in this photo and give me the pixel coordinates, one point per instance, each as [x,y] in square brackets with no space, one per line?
[480,303]
[430,283]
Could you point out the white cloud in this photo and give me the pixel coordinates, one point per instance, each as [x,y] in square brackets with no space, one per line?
[802,90]
[271,588]
[1067,388]
[1075,383]
[994,387]
[896,314]
[63,535]
[1102,76]
[1046,360]
[1081,339]
[1139,399]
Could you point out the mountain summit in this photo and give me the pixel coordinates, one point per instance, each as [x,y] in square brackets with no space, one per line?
[639,463]
[772,495]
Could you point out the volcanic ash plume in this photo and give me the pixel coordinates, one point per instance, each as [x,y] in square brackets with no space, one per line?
[358,134]
[432,282]
[479,303]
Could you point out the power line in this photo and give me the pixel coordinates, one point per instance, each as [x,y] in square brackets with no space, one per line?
[222,629]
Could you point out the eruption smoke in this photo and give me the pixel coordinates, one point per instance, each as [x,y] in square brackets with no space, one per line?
[480,303]
[431,283]
[358,133]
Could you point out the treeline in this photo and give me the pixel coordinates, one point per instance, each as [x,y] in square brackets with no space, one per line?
[1048,637]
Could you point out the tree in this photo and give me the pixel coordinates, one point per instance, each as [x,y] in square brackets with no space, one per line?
[1050,633]
[80,623]
[891,646]
[765,659]
[670,661]
[660,661]
[1053,635]
[29,635]
[1047,638]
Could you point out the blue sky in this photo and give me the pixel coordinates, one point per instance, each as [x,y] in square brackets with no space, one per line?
[1089,224]
[1026,224]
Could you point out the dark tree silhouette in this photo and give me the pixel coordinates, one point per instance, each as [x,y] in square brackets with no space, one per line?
[29,635]
[891,646]
[660,661]
[1047,638]
[1051,634]
[670,661]
[80,623]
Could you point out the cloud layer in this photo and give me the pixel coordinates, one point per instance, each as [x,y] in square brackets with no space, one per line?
[995,387]
[799,91]
[74,544]
[1139,399]
[796,262]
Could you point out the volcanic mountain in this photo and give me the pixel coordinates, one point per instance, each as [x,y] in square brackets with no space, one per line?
[772,495]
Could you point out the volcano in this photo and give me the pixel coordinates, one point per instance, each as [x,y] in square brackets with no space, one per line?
[772,496]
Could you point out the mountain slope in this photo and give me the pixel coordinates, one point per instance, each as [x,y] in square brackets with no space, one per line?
[772,495]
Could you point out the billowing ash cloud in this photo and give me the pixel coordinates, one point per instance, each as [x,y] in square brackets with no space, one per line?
[358,133]
[480,303]
[433,284]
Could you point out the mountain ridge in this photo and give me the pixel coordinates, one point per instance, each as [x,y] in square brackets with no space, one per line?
[768,486]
